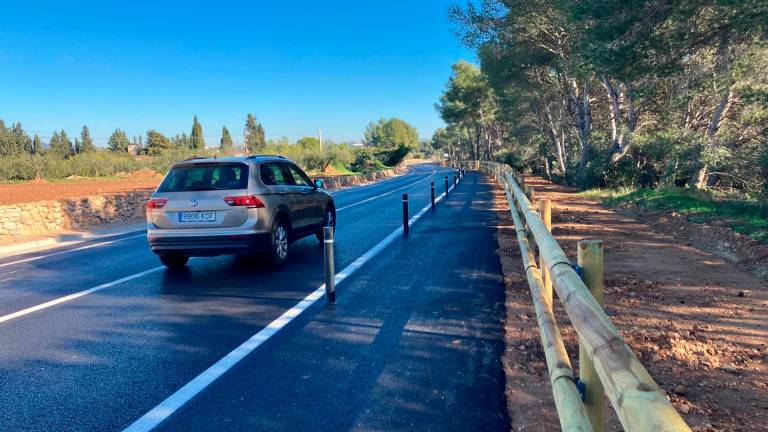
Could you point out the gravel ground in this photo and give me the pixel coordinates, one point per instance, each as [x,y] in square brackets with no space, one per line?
[696,319]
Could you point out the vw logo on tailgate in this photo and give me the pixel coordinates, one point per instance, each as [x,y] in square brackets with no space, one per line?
[193,202]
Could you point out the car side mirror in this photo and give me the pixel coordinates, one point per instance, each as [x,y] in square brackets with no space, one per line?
[319,184]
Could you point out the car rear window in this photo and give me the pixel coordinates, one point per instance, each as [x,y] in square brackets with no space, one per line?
[206,177]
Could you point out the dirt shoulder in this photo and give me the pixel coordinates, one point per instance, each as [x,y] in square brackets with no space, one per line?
[696,321]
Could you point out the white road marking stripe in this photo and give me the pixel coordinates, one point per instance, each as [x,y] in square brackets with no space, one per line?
[385,194]
[339,276]
[76,295]
[39,257]
[166,408]
[90,246]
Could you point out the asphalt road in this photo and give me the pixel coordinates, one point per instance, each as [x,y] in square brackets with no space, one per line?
[414,342]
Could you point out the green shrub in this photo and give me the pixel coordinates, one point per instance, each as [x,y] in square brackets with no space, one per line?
[748,217]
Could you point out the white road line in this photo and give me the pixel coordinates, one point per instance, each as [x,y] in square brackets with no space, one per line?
[386,193]
[339,276]
[90,246]
[76,295]
[166,408]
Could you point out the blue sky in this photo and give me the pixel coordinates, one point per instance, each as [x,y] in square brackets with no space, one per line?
[298,66]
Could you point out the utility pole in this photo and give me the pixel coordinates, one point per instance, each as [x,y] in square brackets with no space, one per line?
[320,137]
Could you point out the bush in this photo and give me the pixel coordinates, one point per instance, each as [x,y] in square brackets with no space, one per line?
[109,163]
[394,156]
[19,167]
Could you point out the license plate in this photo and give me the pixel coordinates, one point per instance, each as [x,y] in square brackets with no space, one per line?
[203,216]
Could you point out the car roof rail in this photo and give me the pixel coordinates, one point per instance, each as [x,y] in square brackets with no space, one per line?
[264,156]
[195,158]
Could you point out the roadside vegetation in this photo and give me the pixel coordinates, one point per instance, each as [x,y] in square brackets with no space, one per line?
[614,93]
[745,216]
[24,157]
[668,100]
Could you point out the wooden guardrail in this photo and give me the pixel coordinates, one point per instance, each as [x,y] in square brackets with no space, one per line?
[607,364]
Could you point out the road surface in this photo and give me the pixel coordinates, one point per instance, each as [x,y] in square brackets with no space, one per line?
[101,337]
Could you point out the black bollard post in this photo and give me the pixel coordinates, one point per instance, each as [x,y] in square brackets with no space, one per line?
[330,272]
[446,187]
[432,188]
[406,229]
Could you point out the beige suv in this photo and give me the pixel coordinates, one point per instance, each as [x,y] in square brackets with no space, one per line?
[239,206]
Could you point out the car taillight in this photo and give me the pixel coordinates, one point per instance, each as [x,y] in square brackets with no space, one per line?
[248,201]
[156,203]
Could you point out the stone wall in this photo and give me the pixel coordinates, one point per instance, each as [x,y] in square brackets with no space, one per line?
[355,179]
[41,217]
[44,217]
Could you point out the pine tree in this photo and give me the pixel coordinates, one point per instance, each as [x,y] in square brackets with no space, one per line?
[78,147]
[254,135]
[23,143]
[157,143]
[37,145]
[118,141]
[60,144]
[86,143]
[226,145]
[197,141]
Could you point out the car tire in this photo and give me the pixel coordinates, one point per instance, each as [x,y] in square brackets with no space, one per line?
[329,218]
[174,261]
[280,243]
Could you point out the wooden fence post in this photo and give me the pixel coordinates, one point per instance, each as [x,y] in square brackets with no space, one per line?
[531,239]
[590,259]
[545,210]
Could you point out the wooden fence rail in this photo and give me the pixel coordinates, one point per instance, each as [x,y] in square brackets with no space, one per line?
[637,400]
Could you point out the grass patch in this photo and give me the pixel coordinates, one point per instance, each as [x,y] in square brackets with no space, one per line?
[748,217]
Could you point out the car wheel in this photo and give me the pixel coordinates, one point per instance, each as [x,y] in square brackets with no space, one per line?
[174,261]
[280,243]
[328,220]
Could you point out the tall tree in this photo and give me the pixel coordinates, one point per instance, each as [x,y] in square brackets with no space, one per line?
[37,145]
[197,141]
[668,87]
[470,103]
[14,140]
[86,143]
[182,142]
[157,143]
[392,133]
[255,141]
[60,145]
[118,141]
[226,145]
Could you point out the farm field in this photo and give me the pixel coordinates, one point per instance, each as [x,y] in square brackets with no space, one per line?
[39,190]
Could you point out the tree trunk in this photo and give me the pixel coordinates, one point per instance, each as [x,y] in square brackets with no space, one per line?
[613,102]
[620,136]
[699,178]
[555,135]
[584,129]
[477,141]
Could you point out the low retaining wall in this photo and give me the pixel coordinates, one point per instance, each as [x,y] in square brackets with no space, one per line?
[355,179]
[45,217]
[42,217]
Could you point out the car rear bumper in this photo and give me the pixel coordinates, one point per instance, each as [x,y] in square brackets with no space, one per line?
[209,245]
